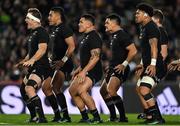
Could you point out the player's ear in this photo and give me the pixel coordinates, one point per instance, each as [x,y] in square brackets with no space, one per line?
[145,14]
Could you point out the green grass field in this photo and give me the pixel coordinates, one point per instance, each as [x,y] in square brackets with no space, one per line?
[21,120]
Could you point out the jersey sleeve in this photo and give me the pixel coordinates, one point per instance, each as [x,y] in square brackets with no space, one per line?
[67,32]
[164,37]
[43,36]
[153,32]
[95,42]
[126,40]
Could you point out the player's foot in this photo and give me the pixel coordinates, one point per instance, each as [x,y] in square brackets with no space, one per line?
[42,120]
[154,122]
[123,119]
[141,116]
[162,121]
[96,121]
[31,120]
[66,119]
[56,119]
[113,119]
[84,121]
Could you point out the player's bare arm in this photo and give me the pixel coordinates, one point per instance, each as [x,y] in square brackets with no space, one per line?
[40,52]
[95,56]
[131,53]
[71,46]
[151,69]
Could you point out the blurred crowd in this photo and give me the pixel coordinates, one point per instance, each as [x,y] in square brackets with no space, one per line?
[13,31]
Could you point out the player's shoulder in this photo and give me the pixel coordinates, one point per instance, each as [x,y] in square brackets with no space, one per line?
[151,24]
[42,30]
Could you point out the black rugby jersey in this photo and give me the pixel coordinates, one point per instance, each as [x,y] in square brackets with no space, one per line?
[57,39]
[119,41]
[150,30]
[90,41]
[37,36]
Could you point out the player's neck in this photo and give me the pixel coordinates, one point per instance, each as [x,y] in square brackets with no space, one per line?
[36,25]
[58,22]
[90,29]
[147,20]
[116,29]
[159,25]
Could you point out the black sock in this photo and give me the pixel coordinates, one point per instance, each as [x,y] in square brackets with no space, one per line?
[95,113]
[146,111]
[31,109]
[84,114]
[157,107]
[110,104]
[54,105]
[62,102]
[154,112]
[120,106]
[38,106]
[26,99]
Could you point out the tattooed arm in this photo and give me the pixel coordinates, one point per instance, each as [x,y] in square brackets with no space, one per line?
[95,56]
[151,69]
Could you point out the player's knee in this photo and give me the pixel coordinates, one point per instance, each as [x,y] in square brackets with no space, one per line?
[102,92]
[111,92]
[30,84]
[71,91]
[148,97]
[144,90]
[47,90]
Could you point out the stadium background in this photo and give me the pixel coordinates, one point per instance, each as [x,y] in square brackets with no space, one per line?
[13,48]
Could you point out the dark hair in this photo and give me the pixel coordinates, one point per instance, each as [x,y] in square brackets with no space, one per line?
[89,17]
[159,14]
[35,12]
[59,10]
[115,17]
[146,8]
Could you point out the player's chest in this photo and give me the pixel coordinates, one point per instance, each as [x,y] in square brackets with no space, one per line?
[115,41]
[85,42]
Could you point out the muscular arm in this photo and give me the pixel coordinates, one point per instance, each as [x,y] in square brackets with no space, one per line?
[42,47]
[71,46]
[26,58]
[154,49]
[164,51]
[95,56]
[132,52]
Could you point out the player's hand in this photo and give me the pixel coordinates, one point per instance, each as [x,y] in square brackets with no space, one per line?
[107,69]
[29,63]
[139,70]
[119,68]
[178,67]
[74,73]
[57,64]
[151,70]
[81,77]
[19,65]
[173,66]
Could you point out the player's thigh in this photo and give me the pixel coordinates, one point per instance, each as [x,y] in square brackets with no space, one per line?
[103,88]
[85,86]
[35,78]
[58,80]
[74,86]
[114,84]
[46,86]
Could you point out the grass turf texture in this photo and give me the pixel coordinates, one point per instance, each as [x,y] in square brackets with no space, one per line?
[21,120]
